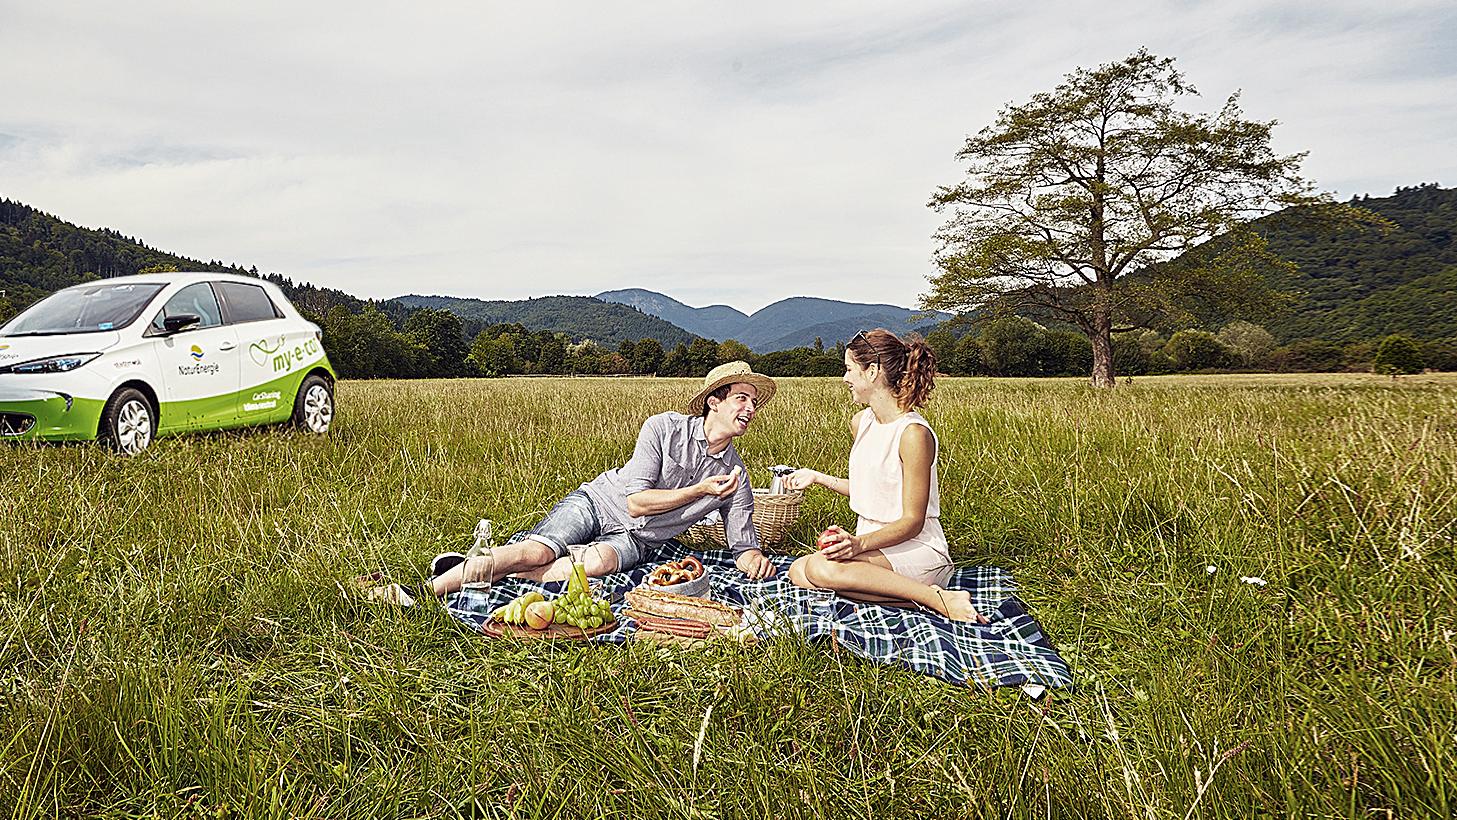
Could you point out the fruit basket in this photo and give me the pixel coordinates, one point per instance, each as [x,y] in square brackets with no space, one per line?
[774,514]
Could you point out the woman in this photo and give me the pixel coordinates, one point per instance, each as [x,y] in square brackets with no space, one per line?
[898,552]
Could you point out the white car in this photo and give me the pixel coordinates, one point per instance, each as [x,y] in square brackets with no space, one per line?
[127,359]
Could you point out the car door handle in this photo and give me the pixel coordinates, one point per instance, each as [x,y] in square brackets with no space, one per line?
[226,346]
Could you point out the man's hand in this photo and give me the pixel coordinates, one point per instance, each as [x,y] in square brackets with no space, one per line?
[721,486]
[753,564]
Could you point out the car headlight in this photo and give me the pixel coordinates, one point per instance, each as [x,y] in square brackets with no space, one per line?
[51,364]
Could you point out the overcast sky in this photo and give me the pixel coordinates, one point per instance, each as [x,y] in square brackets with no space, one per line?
[733,153]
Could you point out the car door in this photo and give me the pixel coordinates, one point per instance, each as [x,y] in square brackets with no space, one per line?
[266,340]
[200,365]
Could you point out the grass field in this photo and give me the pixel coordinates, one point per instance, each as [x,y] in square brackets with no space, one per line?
[174,640]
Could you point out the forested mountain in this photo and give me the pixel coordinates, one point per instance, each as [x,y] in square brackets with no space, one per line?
[1365,282]
[788,323]
[713,322]
[40,254]
[579,317]
[1368,283]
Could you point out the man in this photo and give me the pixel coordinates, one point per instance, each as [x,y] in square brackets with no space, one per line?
[683,468]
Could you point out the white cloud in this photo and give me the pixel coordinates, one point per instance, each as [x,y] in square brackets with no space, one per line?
[734,153]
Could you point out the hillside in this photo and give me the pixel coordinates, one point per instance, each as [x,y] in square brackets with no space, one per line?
[580,317]
[1365,283]
[713,322]
[788,323]
[40,253]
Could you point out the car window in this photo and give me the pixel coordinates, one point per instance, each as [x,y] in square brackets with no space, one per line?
[198,300]
[247,303]
[83,309]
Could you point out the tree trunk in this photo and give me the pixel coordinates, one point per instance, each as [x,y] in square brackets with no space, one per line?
[1102,339]
[1100,334]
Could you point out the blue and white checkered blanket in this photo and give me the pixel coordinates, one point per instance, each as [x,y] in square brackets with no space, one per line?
[1009,651]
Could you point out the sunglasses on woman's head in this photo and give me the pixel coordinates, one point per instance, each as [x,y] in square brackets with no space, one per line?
[866,336]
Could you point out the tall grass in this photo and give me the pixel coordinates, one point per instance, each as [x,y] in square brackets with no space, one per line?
[177,639]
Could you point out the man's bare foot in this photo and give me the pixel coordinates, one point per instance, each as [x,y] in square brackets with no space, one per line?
[956,605]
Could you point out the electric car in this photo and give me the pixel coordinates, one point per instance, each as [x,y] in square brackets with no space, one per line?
[125,360]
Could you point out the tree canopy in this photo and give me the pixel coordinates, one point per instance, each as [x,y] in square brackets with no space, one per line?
[1071,191]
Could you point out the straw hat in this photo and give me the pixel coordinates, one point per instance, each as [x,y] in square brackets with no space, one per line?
[732,373]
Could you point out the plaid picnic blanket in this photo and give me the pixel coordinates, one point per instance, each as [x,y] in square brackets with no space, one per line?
[1011,650]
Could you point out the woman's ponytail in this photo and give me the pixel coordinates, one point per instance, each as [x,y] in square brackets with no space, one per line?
[918,378]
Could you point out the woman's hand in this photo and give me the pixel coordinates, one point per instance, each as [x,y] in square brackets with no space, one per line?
[838,545]
[800,479]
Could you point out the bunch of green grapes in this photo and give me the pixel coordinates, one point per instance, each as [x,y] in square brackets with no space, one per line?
[578,608]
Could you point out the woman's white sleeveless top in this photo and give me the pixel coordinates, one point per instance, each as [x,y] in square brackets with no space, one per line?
[875,469]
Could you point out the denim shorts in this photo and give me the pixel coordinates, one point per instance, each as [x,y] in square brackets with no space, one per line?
[574,521]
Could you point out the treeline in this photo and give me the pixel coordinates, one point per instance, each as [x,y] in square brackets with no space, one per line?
[1015,346]
[1371,301]
[432,343]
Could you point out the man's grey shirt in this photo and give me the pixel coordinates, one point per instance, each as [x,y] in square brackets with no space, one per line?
[672,453]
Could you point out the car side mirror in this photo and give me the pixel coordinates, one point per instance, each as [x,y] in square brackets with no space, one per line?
[179,322]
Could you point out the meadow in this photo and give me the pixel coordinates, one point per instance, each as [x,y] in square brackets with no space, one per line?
[178,637]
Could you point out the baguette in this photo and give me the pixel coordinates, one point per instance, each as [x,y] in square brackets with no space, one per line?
[671,605]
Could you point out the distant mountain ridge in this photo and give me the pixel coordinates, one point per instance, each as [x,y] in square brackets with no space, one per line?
[580,317]
[788,323]
[1357,285]
[719,322]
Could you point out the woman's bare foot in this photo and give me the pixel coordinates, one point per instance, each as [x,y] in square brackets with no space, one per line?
[956,605]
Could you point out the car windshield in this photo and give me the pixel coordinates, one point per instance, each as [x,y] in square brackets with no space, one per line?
[83,309]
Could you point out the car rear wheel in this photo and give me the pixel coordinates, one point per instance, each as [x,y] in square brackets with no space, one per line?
[128,423]
[313,408]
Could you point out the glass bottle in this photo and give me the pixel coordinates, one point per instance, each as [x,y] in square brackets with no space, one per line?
[480,561]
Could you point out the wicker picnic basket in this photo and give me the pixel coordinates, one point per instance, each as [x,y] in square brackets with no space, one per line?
[774,514]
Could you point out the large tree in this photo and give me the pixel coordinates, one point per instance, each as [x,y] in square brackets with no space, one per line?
[1070,198]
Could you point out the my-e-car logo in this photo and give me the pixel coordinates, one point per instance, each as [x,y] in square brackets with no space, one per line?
[263,349]
[286,360]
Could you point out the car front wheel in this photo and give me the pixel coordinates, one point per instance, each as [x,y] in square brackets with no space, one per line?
[313,409]
[128,422]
